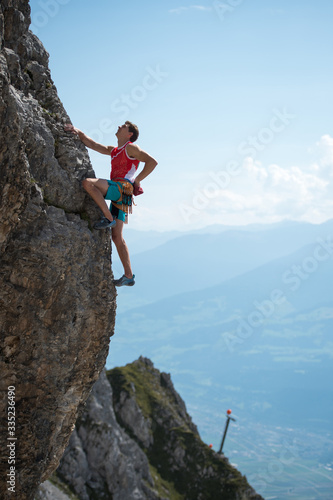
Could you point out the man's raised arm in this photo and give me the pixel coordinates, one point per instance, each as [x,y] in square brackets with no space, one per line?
[87,141]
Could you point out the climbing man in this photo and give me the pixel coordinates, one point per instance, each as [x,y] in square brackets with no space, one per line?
[125,159]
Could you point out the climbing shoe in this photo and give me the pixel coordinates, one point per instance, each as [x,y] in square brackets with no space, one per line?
[104,223]
[124,281]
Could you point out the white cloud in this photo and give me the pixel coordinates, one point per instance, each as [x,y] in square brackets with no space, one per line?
[325,148]
[258,193]
[268,193]
[274,191]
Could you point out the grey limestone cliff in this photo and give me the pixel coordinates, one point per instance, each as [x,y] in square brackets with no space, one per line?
[102,461]
[57,300]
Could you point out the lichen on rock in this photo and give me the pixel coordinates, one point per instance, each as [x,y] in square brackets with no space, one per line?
[57,300]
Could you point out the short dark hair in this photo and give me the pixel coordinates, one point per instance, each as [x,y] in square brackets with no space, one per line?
[134,129]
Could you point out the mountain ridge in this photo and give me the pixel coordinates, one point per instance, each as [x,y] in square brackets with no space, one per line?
[284,264]
[217,258]
[135,440]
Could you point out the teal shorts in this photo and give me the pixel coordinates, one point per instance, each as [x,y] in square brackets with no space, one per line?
[113,195]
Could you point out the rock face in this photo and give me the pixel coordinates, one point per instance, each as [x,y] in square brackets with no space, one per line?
[137,441]
[57,301]
[102,461]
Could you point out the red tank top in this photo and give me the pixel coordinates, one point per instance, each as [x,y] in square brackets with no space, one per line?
[123,165]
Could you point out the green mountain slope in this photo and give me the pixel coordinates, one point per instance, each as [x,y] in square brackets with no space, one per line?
[149,409]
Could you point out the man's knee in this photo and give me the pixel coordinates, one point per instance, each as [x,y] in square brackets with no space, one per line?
[86,184]
[92,184]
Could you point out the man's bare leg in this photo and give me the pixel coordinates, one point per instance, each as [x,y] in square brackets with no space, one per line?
[97,189]
[118,240]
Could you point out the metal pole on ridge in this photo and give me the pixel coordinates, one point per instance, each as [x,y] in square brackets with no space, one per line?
[226,429]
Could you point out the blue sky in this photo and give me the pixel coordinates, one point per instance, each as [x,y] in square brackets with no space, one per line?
[232,97]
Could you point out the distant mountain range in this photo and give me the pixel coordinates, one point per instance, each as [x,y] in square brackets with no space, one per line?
[259,339]
[197,260]
[274,318]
